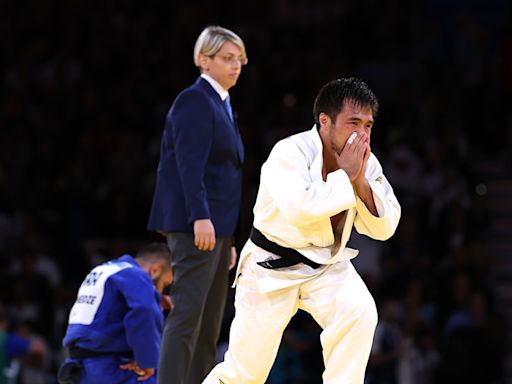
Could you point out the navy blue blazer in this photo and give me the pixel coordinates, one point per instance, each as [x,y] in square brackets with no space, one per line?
[199,175]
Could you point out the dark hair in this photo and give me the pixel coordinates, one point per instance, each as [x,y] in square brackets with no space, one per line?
[154,252]
[332,97]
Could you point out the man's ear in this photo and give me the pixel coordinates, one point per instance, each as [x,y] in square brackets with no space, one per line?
[323,119]
[155,271]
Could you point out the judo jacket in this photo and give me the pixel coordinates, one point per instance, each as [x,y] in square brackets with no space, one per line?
[118,310]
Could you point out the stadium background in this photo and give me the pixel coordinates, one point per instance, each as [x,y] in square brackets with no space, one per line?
[84,90]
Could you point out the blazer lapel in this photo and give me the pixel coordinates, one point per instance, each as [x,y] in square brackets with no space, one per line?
[233,124]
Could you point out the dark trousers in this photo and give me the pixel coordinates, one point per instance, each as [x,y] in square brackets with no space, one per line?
[191,331]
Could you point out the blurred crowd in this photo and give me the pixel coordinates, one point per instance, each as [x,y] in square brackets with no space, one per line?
[85,87]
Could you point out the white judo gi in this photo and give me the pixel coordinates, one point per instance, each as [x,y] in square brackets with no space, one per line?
[293,209]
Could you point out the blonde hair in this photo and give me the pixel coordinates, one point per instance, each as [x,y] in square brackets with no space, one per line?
[211,39]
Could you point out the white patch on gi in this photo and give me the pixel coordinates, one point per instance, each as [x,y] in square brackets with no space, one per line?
[91,292]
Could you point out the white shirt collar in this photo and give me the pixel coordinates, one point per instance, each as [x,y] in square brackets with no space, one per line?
[216,86]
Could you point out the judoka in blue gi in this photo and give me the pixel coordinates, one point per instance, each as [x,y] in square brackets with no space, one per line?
[115,326]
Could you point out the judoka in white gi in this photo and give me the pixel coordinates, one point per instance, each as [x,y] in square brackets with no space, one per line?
[315,187]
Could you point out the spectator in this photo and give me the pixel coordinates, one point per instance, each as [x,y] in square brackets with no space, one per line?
[14,348]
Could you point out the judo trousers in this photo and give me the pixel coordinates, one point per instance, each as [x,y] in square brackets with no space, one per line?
[337,299]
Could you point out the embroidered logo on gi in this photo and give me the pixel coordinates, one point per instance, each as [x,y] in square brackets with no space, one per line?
[379,179]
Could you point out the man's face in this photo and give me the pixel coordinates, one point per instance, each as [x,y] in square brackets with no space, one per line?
[352,118]
[225,66]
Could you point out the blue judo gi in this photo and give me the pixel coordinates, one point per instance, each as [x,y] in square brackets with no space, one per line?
[118,315]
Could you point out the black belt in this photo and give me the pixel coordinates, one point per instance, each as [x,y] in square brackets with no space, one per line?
[82,353]
[289,256]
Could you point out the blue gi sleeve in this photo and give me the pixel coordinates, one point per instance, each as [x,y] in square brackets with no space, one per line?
[143,321]
[192,129]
